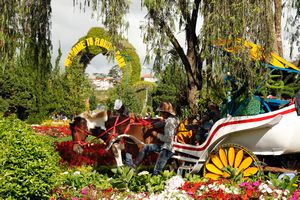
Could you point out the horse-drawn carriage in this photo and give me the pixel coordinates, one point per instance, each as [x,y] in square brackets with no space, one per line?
[233,142]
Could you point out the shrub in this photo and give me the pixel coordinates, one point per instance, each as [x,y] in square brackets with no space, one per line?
[28,162]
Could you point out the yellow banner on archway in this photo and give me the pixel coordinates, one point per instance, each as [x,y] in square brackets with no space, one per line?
[98,42]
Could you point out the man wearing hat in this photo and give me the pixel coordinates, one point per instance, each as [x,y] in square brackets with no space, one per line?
[165,149]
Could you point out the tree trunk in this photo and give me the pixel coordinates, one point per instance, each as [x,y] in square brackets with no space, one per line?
[277,25]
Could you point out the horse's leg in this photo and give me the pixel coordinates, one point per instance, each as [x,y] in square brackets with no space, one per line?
[116,148]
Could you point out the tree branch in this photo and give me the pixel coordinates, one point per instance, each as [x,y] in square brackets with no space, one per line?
[172,39]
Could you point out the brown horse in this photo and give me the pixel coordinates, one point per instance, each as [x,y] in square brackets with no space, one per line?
[120,132]
[79,132]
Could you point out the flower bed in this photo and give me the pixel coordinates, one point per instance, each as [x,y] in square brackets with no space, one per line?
[180,188]
[53,131]
[92,154]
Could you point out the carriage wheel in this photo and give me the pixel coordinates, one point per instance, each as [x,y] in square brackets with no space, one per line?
[230,160]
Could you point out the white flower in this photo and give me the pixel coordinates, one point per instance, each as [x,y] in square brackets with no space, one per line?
[202,187]
[66,172]
[174,183]
[76,172]
[269,190]
[227,190]
[215,188]
[265,186]
[143,173]
[170,195]
[222,187]
[236,191]
[278,192]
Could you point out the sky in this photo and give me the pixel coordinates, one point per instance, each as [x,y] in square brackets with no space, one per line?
[69,24]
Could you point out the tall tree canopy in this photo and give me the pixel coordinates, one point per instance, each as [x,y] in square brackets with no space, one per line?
[203,22]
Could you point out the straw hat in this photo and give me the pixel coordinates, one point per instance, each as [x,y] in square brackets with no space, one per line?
[166,107]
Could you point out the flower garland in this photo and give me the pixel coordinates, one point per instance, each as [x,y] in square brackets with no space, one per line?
[92,154]
[54,131]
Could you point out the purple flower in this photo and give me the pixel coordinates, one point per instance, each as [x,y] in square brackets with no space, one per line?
[295,195]
[256,183]
[84,191]
[244,184]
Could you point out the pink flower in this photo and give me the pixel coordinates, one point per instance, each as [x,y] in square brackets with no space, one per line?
[84,191]
[256,183]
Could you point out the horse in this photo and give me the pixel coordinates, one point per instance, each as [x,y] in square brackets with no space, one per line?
[127,133]
[119,132]
[79,132]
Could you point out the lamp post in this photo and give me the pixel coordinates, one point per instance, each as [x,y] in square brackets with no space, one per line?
[127,58]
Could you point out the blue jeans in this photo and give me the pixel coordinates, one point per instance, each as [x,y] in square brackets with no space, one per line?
[164,155]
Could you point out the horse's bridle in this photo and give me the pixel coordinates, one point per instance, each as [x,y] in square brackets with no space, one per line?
[117,123]
[113,134]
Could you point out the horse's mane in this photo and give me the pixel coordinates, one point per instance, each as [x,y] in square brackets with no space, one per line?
[94,115]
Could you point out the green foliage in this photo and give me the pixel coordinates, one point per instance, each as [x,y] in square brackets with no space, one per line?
[146,182]
[3,105]
[285,183]
[234,175]
[172,86]
[140,182]
[281,84]
[29,163]
[73,181]
[126,178]
[77,87]
[93,103]
[122,177]
[128,95]
[157,183]
[194,178]
[17,87]
[82,177]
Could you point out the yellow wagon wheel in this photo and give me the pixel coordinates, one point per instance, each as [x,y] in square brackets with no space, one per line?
[234,157]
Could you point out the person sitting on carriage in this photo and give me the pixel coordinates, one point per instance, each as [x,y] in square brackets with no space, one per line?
[165,149]
[212,115]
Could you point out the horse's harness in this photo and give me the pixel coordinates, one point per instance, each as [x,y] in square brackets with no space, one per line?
[113,134]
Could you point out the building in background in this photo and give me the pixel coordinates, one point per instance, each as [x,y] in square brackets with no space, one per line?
[149,78]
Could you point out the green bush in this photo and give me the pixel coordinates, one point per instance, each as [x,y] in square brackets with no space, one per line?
[28,162]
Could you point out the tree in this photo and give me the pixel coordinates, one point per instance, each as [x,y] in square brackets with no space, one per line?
[77,88]
[25,48]
[115,73]
[229,20]
[172,84]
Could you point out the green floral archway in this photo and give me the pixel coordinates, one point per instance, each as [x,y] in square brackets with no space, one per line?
[97,41]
